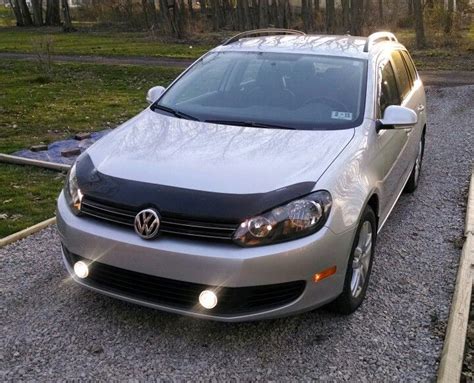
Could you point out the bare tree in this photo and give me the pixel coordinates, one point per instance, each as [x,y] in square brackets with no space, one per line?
[317,6]
[448,25]
[25,12]
[419,27]
[190,8]
[246,14]
[17,11]
[67,22]
[307,15]
[203,4]
[357,9]
[345,15]
[381,11]
[53,16]
[310,15]
[37,7]
[330,16]
[410,8]
[145,13]
[263,12]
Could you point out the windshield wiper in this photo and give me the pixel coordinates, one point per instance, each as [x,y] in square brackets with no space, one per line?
[252,124]
[174,112]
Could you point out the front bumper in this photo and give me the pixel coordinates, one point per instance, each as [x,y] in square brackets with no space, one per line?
[210,263]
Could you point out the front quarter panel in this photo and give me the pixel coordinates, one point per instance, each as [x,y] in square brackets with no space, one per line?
[352,179]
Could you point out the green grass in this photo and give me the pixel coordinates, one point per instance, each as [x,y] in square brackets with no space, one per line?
[7,18]
[80,97]
[87,42]
[27,196]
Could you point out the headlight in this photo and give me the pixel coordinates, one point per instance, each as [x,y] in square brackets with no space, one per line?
[72,192]
[296,219]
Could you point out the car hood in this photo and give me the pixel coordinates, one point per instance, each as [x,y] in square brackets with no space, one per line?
[158,149]
[210,172]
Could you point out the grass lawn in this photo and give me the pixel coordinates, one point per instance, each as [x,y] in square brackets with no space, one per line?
[103,43]
[80,97]
[7,18]
[27,196]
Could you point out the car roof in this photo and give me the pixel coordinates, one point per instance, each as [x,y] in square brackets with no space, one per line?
[330,45]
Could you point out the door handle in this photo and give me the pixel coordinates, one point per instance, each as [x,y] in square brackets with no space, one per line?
[420,108]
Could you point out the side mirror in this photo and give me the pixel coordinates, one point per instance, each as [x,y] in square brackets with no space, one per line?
[396,116]
[154,94]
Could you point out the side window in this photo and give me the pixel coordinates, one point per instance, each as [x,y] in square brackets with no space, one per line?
[389,90]
[403,79]
[410,65]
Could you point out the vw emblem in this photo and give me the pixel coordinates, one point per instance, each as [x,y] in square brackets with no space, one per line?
[147,224]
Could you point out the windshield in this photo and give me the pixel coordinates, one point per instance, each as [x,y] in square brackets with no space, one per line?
[293,91]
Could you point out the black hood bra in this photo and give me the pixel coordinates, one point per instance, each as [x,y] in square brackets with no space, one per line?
[180,202]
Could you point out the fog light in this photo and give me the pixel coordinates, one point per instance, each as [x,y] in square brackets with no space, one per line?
[81,269]
[208,299]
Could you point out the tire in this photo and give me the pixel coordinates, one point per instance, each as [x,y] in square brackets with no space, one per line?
[354,290]
[414,179]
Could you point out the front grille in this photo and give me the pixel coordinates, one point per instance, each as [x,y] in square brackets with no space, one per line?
[186,227]
[184,295]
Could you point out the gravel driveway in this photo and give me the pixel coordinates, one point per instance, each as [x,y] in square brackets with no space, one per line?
[54,330]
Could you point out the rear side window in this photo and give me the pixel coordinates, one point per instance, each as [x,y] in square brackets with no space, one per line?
[403,79]
[389,94]
[410,65]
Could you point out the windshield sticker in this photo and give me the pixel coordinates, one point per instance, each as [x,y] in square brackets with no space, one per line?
[341,115]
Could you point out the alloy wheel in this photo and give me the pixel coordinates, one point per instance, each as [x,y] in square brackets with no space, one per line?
[361,261]
[419,158]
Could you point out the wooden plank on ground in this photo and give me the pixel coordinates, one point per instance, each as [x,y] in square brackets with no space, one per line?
[450,367]
[26,232]
[7,158]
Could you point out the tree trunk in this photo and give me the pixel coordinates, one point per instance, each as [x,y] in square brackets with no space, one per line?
[37,12]
[317,6]
[145,13]
[263,13]
[182,19]
[419,27]
[448,26]
[357,9]
[52,13]
[17,11]
[304,15]
[164,13]
[190,7]
[310,15]
[246,14]
[152,10]
[25,12]
[330,13]
[410,8]
[67,22]
[215,15]
[307,15]
[345,16]
[202,4]
[273,13]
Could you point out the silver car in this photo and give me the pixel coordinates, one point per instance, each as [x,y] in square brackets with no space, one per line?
[254,186]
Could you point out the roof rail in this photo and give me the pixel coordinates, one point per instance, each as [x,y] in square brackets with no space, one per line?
[266,31]
[378,37]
